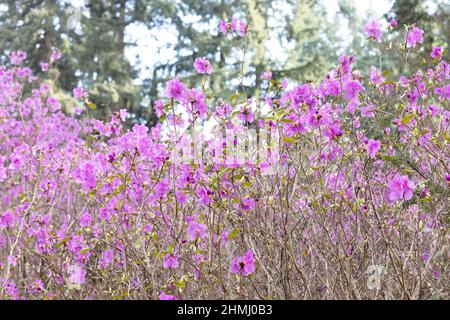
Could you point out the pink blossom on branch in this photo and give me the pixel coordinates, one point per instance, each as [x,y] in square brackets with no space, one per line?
[373,30]
[373,146]
[400,188]
[244,265]
[415,36]
[203,66]
[436,52]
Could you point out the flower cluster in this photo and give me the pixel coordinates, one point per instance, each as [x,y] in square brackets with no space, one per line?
[236,25]
[341,178]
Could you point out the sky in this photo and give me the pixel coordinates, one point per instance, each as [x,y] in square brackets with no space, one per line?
[152,45]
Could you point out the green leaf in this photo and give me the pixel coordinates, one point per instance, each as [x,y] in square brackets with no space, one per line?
[59,244]
[233,234]
[288,139]
[91,105]
[407,119]
[86,250]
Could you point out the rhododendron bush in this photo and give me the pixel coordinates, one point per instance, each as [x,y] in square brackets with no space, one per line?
[331,191]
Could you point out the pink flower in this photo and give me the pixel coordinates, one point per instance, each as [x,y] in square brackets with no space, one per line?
[267,75]
[53,103]
[170,261]
[159,108]
[352,89]
[223,27]
[16,57]
[203,195]
[56,55]
[242,28]
[148,228]
[434,110]
[373,146]
[77,275]
[436,52]
[181,197]
[36,286]
[244,265]
[248,204]
[164,296]
[332,130]
[368,111]
[123,113]
[203,66]
[106,259]
[44,66]
[85,220]
[394,23]
[104,214]
[246,115]
[415,36]
[373,30]
[78,92]
[400,188]
[196,230]
[175,89]
[6,219]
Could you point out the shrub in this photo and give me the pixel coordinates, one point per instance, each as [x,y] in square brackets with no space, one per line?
[338,191]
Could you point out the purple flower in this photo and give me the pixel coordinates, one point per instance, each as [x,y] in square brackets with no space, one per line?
[56,55]
[352,89]
[373,146]
[242,28]
[104,214]
[203,66]
[425,256]
[164,296]
[170,261]
[44,66]
[77,275]
[194,100]
[434,110]
[332,130]
[373,30]
[267,75]
[394,23]
[174,89]
[244,265]
[223,27]
[36,286]
[415,36]
[436,52]
[6,219]
[248,204]
[16,57]
[123,113]
[106,258]
[401,188]
[203,195]
[78,92]
[368,111]
[159,108]
[196,230]
[246,115]
[85,220]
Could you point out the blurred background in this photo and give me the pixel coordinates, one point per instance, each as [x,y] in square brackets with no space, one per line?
[123,51]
